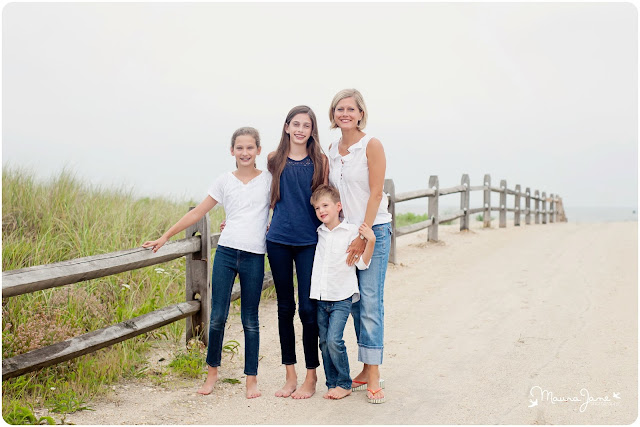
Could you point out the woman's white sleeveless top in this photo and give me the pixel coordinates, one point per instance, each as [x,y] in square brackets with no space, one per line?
[350,175]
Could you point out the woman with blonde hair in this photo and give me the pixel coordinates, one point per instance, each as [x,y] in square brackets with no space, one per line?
[357,165]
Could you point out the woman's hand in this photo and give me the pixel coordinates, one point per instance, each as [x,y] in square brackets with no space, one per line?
[155,244]
[355,250]
[223,224]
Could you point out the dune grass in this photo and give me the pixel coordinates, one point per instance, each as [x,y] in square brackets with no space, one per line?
[46,222]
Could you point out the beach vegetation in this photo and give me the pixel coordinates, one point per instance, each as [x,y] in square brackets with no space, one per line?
[61,219]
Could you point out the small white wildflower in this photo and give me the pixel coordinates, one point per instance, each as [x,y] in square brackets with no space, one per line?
[52,388]
[124,285]
[159,270]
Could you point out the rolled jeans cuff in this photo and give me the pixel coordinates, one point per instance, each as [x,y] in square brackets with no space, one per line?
[370,355]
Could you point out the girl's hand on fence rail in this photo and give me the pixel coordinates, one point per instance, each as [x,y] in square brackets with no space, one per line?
[155,244]
[355,250]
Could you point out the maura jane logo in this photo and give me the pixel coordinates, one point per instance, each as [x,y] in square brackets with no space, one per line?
[538,395]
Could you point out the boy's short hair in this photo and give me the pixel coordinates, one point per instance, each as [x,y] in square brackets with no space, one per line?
[325,190]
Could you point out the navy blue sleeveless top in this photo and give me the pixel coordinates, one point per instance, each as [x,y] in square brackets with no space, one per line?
[294,220]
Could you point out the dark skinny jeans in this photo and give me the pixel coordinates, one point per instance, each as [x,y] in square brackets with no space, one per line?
[281,259]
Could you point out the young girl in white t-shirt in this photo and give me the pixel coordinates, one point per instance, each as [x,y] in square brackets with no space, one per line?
[245,195]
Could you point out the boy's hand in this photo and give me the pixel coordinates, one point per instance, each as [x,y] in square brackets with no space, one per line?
[367,232]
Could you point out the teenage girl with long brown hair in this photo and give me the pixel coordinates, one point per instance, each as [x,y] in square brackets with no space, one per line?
[298,167]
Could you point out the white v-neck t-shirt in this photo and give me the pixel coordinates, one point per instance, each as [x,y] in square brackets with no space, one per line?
[247,211]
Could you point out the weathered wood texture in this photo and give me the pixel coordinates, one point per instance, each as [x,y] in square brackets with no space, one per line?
[450,217]
[487,201]
[37,278]
[464,203]
[87,343]
[410,195]
[516,206]
[503,204]
[198,281]
[451,190]
[527,201]
[401,231]
[433,208]
[390,190]
[537,206]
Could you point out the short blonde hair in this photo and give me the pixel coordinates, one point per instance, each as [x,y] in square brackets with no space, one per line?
[325,190]
[349,93]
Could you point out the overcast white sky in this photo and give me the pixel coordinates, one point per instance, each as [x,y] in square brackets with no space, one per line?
[147,95]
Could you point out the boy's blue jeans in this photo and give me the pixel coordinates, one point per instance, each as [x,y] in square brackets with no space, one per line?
[332,318]
[227,263]
[368,312]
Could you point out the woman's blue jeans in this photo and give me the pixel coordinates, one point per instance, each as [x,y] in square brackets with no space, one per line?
[281,259]
[228,263]
[368,312]
[332,318]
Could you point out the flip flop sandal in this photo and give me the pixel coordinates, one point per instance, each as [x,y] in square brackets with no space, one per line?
[379,400]
[363,385]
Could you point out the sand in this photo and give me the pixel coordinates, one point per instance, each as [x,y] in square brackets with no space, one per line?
[477,325]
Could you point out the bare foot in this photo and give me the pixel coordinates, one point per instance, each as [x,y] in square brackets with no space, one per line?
[338,393]
[291,382]
[252,387]
[288,388]
[327,395]
[308,387]
[210,382]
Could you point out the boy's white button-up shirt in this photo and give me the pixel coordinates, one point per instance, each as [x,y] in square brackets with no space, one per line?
[331,278]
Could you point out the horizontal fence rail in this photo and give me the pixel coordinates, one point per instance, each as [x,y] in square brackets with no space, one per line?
[197,253]
[196,248]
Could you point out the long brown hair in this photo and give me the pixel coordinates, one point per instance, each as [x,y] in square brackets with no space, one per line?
[276,164]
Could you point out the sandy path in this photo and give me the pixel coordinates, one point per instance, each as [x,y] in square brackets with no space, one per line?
[472,324]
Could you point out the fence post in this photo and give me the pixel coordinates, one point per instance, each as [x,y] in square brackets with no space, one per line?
[198,281]
[433,208]
[527,202]
[537,206]
[516,206]
[562,217]
[552,208]
[390,189]
[486,216]
[544,207]
[503,203]
[464,203]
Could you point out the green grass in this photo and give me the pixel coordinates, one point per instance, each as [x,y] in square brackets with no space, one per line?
[409,218]
[62,219]
[480,218]
[190,364]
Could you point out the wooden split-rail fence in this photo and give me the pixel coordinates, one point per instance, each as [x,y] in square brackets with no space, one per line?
[196,248]
[539,210]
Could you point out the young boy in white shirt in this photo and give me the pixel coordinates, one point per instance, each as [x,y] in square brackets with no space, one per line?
[335,285]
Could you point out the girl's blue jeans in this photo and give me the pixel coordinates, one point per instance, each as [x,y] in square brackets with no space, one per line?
[281,259]
[228,263]
[332,318]
[368,312]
